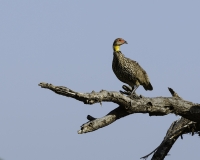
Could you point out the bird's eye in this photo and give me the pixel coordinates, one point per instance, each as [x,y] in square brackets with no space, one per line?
[119,39]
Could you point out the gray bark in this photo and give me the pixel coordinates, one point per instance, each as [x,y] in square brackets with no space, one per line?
[130,104]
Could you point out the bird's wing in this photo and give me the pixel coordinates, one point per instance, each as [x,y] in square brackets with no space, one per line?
[140,73]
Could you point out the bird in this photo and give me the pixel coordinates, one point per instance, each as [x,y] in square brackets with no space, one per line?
[128,71]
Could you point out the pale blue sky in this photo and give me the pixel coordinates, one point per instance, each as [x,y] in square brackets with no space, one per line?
[69,43]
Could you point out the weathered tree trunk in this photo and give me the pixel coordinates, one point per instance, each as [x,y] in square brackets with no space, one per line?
[130,104]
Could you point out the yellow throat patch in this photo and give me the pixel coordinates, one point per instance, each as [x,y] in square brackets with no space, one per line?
[116,48]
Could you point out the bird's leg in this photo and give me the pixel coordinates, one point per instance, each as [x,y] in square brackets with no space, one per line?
[130,92]
[134,89]
[133,94]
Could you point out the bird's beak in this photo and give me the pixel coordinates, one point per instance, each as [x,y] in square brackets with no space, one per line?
[125,42]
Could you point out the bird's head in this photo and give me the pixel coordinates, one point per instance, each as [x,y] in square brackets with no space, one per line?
[117,43]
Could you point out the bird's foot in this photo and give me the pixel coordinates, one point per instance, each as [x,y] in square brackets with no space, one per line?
[129,92]
[131,95]
[127,89]
[125,92]
[134,96]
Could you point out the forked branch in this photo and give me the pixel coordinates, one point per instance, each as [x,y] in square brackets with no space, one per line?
[130,104]
[153,106]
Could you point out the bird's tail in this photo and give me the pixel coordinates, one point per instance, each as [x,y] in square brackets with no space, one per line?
[148,87]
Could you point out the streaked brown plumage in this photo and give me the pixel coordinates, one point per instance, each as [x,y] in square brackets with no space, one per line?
[127,70]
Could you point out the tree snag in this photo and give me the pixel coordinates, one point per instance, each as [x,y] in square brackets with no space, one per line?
[130,104]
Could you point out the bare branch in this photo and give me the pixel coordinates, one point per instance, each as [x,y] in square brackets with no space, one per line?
[154,106]
[173,93]
[173,133]
[97,123]
[168,141]
[89,98]
[177,128]
[130,104]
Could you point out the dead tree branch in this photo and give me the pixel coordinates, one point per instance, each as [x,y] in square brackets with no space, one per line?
[154,106]
[130,104]
[176,130]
